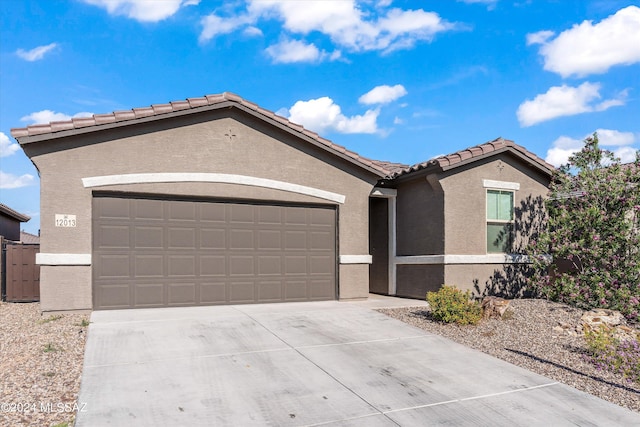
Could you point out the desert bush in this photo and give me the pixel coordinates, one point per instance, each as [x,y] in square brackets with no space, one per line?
[450,305]
[611,354]
[594,224]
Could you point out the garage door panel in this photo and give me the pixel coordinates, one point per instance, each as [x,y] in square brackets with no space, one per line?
[113,236]
[181,265]
[269,291]
[241,239]
[295,240]
[320,264]
[321,240]
[241,265]
[182,293]
[269,265]
[320,289]
[146,209]
[113,266]
[154,253]
[149,294]
[269,240]
[295,265]
[112,208]
[241,213]
[295,290]
[149,237]
[322,218]
[242,292]
[115,296]
[270,214]
[296,216]
[213,238]
[213,292]
[149,266]
[213,212]
[182,211]
[213,265]
[181,238]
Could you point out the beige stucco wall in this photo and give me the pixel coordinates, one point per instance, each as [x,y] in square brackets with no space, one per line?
[465,223]
[459,227]
[65,288]
[191,144]
[420,218]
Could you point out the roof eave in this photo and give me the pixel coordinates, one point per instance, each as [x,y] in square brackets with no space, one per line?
[6,210]
[517,153]
[302,133]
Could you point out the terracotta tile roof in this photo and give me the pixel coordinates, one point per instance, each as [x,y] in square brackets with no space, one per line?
[194,104]
[29,238]
[390,167]
[6,210]
[472,154]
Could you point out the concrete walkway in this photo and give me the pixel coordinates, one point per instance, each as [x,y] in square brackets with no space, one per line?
[326,363]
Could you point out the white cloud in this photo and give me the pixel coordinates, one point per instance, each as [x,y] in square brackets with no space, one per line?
[611,137]
[344,22]
[322,114]
[565,146]
[590,48]
[9,181]
[7,147]
[383,94]
[143,10]
[540,37]
[36,53]
[625,154]
[47,116]
[565,100]
[491,4]
[561,149]
[252,31]
[288,51]
[213,25]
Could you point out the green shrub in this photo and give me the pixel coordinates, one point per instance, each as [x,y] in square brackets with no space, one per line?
[451,305]
[608,353]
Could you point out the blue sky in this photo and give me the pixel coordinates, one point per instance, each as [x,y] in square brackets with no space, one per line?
[392,80]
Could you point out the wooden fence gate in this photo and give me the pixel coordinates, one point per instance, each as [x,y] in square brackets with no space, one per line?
[20,271]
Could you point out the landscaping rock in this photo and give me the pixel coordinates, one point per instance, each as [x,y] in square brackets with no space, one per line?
[609,320]
[494,307]
[602,316]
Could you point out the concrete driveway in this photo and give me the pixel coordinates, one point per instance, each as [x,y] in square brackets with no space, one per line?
[326,363]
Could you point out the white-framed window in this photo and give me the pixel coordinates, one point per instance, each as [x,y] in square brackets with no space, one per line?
[500,206]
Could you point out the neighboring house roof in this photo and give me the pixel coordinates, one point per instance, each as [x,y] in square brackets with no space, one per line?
[476,153]
[98,122]
[7,211]
[29,238]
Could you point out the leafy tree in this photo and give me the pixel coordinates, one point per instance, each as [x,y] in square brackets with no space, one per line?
[594,230]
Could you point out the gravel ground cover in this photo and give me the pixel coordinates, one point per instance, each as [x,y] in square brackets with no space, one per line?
[526,338]
[40,365]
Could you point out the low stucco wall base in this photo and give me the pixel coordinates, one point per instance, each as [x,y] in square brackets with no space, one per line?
[505,280]
[414,281]
[353,281]
[65,288]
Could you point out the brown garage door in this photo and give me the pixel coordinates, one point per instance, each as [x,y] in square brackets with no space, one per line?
[159,253]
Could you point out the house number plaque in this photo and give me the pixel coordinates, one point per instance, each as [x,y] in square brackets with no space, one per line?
[63,220]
